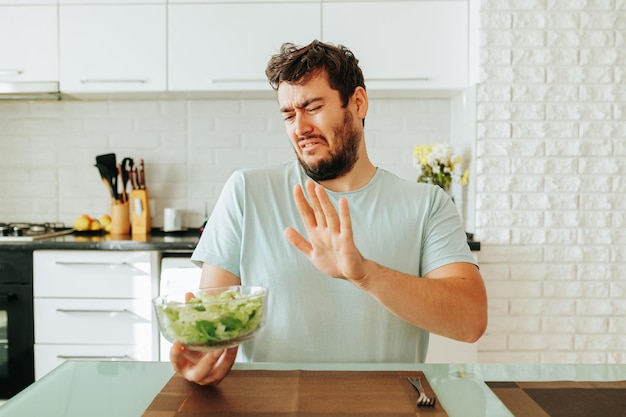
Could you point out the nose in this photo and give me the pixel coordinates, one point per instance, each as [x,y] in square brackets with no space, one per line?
[302,127]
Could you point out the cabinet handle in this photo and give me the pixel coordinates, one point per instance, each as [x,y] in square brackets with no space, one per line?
[400,79]
[11,72]
[106,311]
[72,263]
[96,357]
[105,81]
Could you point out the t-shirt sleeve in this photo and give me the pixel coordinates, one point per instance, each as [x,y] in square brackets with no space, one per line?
[444,240]
[220,243]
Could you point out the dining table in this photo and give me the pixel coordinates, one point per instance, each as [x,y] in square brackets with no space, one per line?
[152,389]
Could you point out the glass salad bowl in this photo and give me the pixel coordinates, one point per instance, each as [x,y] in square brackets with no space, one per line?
[211,318]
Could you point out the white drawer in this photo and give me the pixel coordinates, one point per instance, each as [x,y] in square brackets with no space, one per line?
[94,274]
[48,357]
[92,321]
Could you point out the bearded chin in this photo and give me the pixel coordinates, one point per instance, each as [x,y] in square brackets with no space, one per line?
[337,164]
[334,167]
[340,162]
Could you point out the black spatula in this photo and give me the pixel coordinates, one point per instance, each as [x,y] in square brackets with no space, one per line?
[109,161]
[107,178]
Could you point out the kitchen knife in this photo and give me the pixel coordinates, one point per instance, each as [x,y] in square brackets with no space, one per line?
[127,164]
[142,175]
[120,177]
[134,178]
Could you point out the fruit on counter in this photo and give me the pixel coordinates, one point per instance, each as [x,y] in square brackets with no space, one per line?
[83,222]
[95,225]
[105,222]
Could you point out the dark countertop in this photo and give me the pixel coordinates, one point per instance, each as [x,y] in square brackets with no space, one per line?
[474,245]
[158,240]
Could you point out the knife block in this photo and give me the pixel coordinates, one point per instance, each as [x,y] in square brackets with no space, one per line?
[140,212]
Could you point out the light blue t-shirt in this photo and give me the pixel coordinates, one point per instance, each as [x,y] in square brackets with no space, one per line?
[404,225]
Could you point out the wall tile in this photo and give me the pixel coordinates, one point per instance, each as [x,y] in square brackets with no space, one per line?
[190,148]
[575,249]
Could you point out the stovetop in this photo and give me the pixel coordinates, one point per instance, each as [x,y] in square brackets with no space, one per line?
[27,232]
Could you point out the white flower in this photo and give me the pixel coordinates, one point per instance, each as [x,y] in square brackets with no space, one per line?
[439,164]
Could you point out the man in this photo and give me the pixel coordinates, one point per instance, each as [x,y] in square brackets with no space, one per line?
[369,263]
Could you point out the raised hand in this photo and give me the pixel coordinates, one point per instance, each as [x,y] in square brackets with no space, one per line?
[331,245]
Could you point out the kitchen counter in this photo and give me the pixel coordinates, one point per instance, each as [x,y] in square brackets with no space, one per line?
[126,389]
[158,240]
[184,241]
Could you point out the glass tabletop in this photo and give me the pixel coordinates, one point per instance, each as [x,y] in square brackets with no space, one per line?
[126,389]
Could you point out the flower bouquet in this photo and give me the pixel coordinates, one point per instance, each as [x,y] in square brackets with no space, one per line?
[438,164]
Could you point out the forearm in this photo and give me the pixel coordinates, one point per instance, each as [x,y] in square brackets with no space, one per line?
[450,301]
[213,276]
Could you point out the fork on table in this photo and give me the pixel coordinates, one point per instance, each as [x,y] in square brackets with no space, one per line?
[423,399]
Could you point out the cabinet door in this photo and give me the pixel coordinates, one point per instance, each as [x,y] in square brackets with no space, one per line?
[92,321]
[112,48]
[28,43]
[92,274]
[415,45]
[227,46]
[48,357]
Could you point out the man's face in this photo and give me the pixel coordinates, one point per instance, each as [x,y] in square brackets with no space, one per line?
[325,136]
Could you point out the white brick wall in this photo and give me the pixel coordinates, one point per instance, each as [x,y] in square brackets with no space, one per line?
[551,166]
[190,147]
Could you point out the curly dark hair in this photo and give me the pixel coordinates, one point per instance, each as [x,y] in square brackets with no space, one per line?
[297,64]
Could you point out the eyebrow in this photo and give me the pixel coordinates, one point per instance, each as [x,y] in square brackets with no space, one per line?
[304,104]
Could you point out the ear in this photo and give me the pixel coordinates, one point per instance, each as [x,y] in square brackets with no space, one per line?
[361,102]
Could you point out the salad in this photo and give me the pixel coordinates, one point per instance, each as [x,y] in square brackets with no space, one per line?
[208,320]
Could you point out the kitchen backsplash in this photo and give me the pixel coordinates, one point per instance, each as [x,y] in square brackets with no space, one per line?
[190,147]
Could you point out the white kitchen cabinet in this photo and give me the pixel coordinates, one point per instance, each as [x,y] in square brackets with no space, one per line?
[48,357]
[407,45]
[112,48]
[94,305]
[101,2]
[28,43]
[225,47]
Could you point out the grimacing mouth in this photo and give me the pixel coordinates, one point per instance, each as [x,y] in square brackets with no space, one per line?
[304,143]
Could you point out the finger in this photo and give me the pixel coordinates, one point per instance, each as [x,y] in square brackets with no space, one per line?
[297,240]
[222,367]
[311,191]
[345,219]
[328,209]
[306,212]
[202,372]
[181,358]
[176,356]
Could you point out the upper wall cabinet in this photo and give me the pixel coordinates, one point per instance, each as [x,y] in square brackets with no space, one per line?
[226,46]
[112,48]
[406,45]
[28,43]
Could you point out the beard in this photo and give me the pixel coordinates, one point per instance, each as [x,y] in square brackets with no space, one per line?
[339,161]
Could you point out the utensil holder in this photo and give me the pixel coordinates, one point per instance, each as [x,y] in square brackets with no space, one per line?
[141,212]
[120,218]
